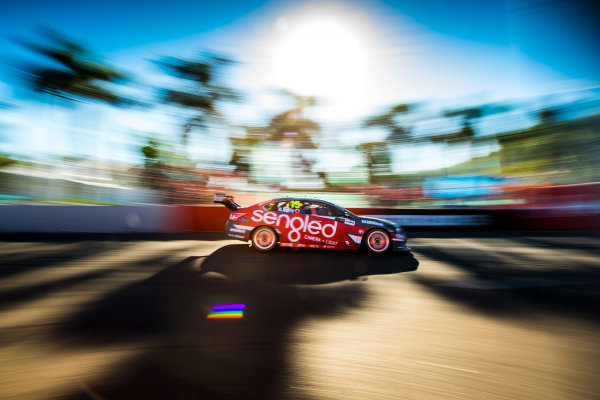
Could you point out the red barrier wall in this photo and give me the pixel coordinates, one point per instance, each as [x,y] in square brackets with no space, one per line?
[196,218]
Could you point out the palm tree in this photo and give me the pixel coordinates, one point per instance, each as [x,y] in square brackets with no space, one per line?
[378,158]
[203,92]
[71,72]
[470,116]
[289,128]
[79,75]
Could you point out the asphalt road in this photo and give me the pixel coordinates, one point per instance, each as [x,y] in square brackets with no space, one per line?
[467,316]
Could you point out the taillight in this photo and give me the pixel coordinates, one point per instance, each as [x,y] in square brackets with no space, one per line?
[234,216]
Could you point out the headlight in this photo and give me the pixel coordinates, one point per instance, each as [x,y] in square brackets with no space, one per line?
[400,234]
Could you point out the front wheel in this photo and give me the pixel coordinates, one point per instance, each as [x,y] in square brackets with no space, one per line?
[264,238]
[378,241]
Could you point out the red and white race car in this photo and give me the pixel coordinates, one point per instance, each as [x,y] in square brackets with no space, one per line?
[310,223]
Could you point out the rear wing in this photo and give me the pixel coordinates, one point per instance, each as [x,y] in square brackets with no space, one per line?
[227,201]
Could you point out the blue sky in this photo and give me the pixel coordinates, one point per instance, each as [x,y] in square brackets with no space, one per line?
[369,54]
[543,42]
[559,35]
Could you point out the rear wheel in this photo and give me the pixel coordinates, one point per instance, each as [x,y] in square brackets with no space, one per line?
[378,241]
[264,238]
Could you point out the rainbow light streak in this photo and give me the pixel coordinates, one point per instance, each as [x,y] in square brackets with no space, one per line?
[93,395]
[227,311]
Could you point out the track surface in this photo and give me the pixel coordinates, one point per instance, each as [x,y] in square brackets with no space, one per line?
[470,316]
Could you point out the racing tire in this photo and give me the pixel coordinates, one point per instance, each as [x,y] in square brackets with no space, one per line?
[378,241]
[264,238]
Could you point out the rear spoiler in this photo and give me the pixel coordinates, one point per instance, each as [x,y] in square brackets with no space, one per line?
[227,201]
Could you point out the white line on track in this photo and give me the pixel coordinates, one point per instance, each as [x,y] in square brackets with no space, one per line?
[519,283]
[448,367]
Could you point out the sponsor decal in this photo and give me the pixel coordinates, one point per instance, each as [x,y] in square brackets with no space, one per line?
[357,239]
[313,238]
[236,236]
[243,227]
[296,224]
[349,222]
[366,221]
[237,230]
[361,231]
[244,219]
[333,243]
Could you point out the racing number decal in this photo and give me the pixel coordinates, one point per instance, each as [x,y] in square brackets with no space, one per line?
[294,204]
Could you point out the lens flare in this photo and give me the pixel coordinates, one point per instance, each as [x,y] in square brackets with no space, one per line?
[227,311]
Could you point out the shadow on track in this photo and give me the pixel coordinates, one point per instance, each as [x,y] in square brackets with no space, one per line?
[519,286]
[186,355]
[303,266]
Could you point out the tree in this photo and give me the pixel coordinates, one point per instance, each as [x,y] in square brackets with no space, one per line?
[377,154]
[469,116]
[203,92]
[72,73]
[78,73]
[288,128]
[291,127]
[549,115]
[153,175]
[387,121]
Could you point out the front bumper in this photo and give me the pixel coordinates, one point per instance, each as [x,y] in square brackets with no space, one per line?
[400,246]
[399,242]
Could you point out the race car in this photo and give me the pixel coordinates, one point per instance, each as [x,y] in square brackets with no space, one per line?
[309,223]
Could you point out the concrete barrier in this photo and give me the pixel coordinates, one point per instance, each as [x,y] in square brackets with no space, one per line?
[175,219]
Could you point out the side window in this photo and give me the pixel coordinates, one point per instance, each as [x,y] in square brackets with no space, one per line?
[329,211]
[315,208]
[270,207]
[308,208]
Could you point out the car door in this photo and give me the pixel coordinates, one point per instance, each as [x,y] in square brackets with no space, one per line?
[326,227]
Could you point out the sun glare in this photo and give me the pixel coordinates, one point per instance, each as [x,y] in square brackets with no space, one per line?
[320,56]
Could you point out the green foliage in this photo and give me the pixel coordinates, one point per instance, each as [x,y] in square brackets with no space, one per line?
[202,93]
[467,113]
[465,134]
[378,159]
[548,115]
[79,73]
[291,126]
[569,146]
[387,121]
[5,161]
[150,151]
[287,127]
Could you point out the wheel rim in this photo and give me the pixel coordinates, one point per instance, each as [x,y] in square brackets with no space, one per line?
[264,238]
[378,241]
